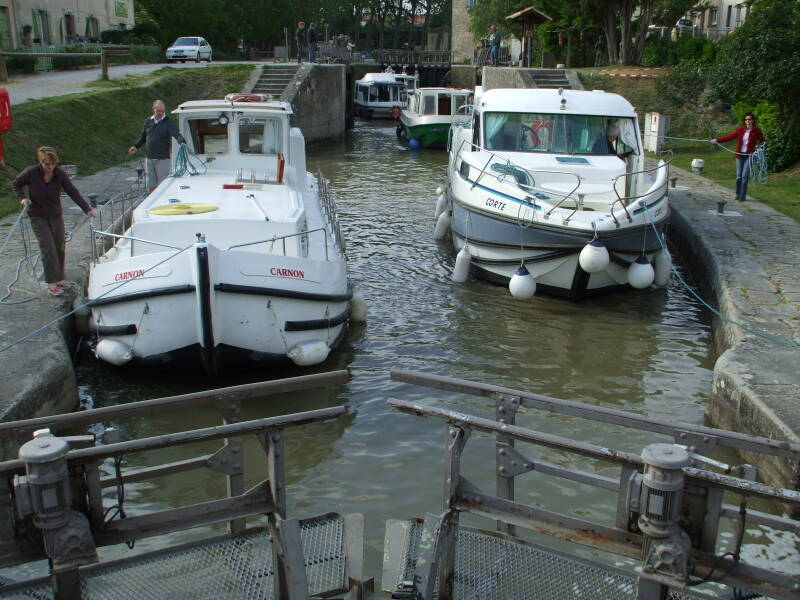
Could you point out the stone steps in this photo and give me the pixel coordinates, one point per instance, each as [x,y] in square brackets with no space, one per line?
[550,78]
[274,79]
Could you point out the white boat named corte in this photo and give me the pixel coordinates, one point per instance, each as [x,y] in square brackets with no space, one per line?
[242,263]
[549,186]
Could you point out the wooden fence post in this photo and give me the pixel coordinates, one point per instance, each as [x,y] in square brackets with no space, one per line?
[104,64]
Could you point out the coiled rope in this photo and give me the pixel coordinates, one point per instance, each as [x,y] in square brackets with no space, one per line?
[747,328]
[32,258]
[184,163]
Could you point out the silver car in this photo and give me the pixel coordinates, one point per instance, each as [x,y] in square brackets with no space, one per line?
[189,48]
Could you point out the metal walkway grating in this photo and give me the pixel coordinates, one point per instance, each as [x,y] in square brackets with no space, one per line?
[493,566]
[224,568]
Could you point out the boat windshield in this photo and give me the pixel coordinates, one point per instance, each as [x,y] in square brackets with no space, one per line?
[259,135]
[208,136]
[558,133]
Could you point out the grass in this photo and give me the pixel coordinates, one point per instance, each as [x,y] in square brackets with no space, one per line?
[94,129]
[782,190]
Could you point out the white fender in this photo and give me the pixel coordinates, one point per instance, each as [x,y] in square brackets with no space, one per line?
[442,225]
[522,284]
[358,307]
[594,257]
[114,352]
[663,268]
[641,273]
[461,268]
[441,205]
[306,354]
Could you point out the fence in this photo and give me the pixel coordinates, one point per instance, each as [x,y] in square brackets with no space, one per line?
[669,505]
[54,494]
[44,55]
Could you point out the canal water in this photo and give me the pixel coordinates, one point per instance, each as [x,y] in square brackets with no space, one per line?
[647,352]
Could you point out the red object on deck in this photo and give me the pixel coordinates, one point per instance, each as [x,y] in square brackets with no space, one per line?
[232,186]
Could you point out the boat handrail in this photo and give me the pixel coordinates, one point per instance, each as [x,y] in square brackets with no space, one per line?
[135,239]
[529,188]
[283,238]
[625,201]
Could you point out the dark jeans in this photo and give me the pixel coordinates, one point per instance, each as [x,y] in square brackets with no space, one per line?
[742,176]
[50,234]
[299,53]
[494,55]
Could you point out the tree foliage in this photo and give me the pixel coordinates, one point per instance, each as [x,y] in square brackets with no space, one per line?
[757,66]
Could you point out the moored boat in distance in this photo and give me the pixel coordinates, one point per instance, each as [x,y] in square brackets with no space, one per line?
[548,187]
[242,263]
[426,121]
[379,96]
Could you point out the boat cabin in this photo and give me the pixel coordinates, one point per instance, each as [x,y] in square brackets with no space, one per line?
[566,122]
[437,101]
[379,95]
[253,139]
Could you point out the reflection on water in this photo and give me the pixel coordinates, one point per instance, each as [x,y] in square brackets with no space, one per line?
[646,352]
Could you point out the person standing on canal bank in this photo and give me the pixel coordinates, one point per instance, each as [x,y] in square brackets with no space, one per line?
[45,182]
[747,137]
[300,38]
[155,133]
[312,43]
[494,45]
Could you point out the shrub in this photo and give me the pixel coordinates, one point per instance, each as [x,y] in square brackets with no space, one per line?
[146,54]
[664,51]
[21,64]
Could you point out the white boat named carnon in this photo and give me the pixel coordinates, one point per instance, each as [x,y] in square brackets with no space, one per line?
[547,191]
[243,262]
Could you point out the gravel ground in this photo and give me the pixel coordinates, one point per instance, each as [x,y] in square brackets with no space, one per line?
[56,83]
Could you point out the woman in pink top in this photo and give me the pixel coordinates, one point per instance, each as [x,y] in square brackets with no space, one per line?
[748,136]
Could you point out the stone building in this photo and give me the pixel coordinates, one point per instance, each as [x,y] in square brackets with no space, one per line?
[52,22]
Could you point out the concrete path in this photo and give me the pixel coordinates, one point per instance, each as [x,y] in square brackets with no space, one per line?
[57,83]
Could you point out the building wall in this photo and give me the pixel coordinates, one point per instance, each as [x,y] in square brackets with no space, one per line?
[48,22]
[463,44]
[724,17]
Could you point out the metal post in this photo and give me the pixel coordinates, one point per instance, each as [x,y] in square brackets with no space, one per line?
[234,452]
[3,69]
[505,412]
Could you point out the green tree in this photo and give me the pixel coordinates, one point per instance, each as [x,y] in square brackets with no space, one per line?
[757,65]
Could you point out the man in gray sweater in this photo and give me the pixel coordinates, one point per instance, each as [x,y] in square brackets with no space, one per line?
[156,132]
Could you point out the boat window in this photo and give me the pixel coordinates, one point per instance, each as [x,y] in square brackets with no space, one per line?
[258,135]
[415,103]
[458,102]
[476,131]
[553,133]
[208,136]
[444,104]
[429,107]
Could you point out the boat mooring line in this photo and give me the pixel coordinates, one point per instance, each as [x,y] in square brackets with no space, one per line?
[88,303]
[752,330]
[757,158]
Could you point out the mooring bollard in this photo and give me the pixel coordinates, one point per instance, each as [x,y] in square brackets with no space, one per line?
[721,206]
[92,200]
[697,166]
[673,181]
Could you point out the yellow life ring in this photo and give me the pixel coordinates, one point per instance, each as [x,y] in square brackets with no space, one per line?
[188,208]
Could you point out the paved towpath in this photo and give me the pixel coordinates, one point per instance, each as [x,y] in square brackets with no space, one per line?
[57,83]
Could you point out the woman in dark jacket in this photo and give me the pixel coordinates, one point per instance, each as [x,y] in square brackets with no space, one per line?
[45,182]
[748,136]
